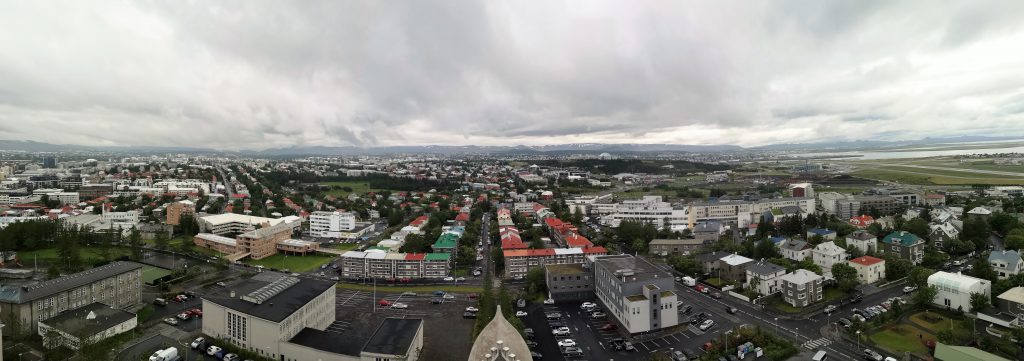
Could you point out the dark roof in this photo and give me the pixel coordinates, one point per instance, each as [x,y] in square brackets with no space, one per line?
[26,293]
[764,268]
[861,235]
[328,341]
[393,336]
[74,322]
[277,307]
[642,269]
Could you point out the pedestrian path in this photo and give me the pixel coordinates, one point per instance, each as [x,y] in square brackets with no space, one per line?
[817,343]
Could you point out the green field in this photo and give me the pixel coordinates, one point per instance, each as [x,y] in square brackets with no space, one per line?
[357,188]
[150,273]
[909,175]
[901,338]
[343,246]
[48,256]
[292,263]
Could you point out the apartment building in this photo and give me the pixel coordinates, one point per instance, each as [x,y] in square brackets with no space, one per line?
[856,205]
[763,277]
[648,209]
[637,293]
[802,287]
[383,265]
[116,284]
[869,269]
[263,313]
[685,246]
[904,245]
[331,224]
[827,254]
[177,209]
[569,282]
[520,261]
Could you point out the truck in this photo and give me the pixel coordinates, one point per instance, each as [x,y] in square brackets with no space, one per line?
[168,354]
[689,281]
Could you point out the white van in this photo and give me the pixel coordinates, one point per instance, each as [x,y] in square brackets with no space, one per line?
[820,356]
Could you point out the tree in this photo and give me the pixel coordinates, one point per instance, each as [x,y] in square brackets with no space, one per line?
[535,282]
[925,296]
[918,227]
[845,276]
[135,243]
[686,265]
[415,243]
[639,245]
[105,244]
[896,268]
[918,276]
[1014,239]
[983,269]
[160,240]
[1002,223]
[979,301]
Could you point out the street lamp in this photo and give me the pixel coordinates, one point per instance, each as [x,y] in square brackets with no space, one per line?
[776,326]
[858,339]
[727,340]
[796,336]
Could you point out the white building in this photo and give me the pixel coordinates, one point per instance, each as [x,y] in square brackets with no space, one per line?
[228,223]
[869,269]
[1006,263]
[648,209]
[125,219]
[65,197]
[862,240]
[763,277]
[955,289]
[331,224]
[637,293]
[743,213]
[827,254]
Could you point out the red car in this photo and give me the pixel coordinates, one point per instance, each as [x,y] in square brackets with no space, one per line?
[706,346]
[700,288]
[609,327]
[405,280]
[384,303]
[196,312]
[472,296]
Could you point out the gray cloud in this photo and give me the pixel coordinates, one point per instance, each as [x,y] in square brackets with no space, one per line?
[255,74]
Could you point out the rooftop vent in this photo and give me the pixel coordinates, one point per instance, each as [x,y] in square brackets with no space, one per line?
[270,290]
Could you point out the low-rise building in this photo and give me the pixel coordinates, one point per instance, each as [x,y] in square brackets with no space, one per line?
[733,267]
[637,293]
[520,261]
[331,224]
[1006,263]
[685,246]
[377,264]
[795,249]
[763,277]
[869,269]
[86,325]
[862,240]
[827,254]
[802,287]
[955,289]
[903,245]
[569,282]
[826,234]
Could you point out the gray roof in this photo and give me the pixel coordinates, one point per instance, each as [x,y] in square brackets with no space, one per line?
[328,341]
[800,276]
[1011,258]
[689,241]
[27,293]
[795,245]
[861,235]
[764,268]
[642,269]
[277,307]
[393,336]
[76,322]
[708,227]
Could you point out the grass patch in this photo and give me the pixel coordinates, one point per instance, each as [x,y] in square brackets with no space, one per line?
[943,321]
[150,273]
[145,313]
[780,304]
[396,288]
[292,263]
[89,255]
[901,338]
[343,246]
[717,282]
[832,293]
[911,175]
[357,188]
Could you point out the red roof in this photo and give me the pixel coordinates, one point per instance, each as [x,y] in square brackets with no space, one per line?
[464,217]
[862,221]
[419,220]
[575,240]
[415,256]
[865,260]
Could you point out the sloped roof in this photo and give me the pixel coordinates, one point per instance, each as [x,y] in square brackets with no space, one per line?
[1015,294]
[1011,258]
[904,238]
[866,260]
[944,352]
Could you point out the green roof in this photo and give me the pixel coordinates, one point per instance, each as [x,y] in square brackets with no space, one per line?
[447,240]
[906,239]
[944,352]
[437,256]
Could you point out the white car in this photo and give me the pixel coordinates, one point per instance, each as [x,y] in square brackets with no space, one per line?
[472,309]
[561,331]
[449,279]
[212,350]
[549,301]
[909,289]
[707,324]
[520,313]
[587,305]
[460,279]
[195,343]
[399,305]
[566,343]
[448,296]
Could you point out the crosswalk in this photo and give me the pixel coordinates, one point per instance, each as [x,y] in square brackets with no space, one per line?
[817,343]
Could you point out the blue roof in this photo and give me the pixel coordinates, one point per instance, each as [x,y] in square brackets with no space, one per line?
[821,231]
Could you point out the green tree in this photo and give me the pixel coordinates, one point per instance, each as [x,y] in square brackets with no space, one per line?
[535,282]
[845,276]
[918,227]
[983,269]
[160,240]
[918,276]
[924,296]
[1014,239]
[135,243]
[105,244]
[979,301]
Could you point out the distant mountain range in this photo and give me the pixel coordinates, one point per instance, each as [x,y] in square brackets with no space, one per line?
[575,148]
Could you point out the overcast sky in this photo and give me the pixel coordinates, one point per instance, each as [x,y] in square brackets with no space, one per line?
[259,74]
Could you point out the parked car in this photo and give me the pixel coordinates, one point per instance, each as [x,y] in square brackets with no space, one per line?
[553,315]
[872,355]
[197,343]
[628,346]
[830,308]
[909,289]
[231,357]
[212,350]
[572,351]
[171,321]
[410,294]
[521,313]
[449,279]
[549,301]
[536,355]
[531,344]
[707,324]
[679,356]
[687,309]
[384,303]
[567,343]
[436,301]
[448,296]
[472,309]
[597,315]
[609,327]
[716,295]
[183,316]
[587,305]
[399,305]
[469,315]
[561,331]
[846,323]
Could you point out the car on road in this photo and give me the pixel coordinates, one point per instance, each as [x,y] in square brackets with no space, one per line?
[572,351]
[679,356]
[471,296]
[597,315]
[212,350]
[687,309]
[549,301]
[609,327]
[222,284]
[587,305]
[460,279]
[706,325]
[439,293]
[521,303]
[472,309]
[716,295]
[410,294]
[399,305]
[197,343]
[553,315]
[846,323]
[909,289]
[830,308]
[449,279]
[171,321]
[858,318]
[521,313]
[872,355]
[730,309]
[436,301]
[469,315]
[567,343]
[701,288]
[448,296]
[561,331]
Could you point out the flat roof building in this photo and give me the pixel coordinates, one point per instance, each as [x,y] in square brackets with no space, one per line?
[637,293]
[88,324]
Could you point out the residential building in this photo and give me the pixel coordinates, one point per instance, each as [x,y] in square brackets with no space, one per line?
[1011,303]
[903,245]
[331,224]
[862,240]
[359,265]
[685,246]
[708,232]
[825,234]
[733,267]
[263,313]
[1006,263]
[862,221]
[795,249]
[86,325]
[744,212]
[827,254]
[648,209]
[869,269]
[177,209]
[498,341]
[935,199]
[637,293]
[955,289]
[940,233]
[979,213]
[569,282]
[520,261]
[763,277]
[801,288]
[126,219]
[117,284]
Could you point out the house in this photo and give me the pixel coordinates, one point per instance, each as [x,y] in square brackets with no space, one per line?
[1006,263]
[762,277]
[869,269]
[862,240]
[708,232]
[709,262]
[827,254]
[686,246]
[801,288]
[826,234]
[979,213]
[955,289]
[795,249]
[939,233]
[903,245]
[862,221]
[733,267]
[1011,303]
[934,199]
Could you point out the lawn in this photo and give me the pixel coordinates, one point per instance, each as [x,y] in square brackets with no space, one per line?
[831,294]
[292,263]
[780,304]
[910,175]
[47,256]
[940,321]
[383,287]
[714,281]
[343,246]
[150,273]
[357,188]
[901,338]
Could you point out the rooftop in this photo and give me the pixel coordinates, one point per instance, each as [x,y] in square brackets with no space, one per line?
[866,260]
[89,319]
[328,341]
[565,269]
[764,268]
[394,336]
[225,218]
[1015,294]
[273,307]
[800,276]
[641,269]
[904,238]
[499,332]
[21,294]
[944,352]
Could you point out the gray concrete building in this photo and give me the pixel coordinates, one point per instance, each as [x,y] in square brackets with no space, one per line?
[569,282]
[802,287]
[685,246]
[116,284]
[636,293]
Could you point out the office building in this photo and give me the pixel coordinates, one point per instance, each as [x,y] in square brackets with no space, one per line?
[637,293]
[648,209]
[331,224]
[569,282]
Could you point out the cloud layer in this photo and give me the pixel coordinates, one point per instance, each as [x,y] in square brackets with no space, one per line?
[260,74]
